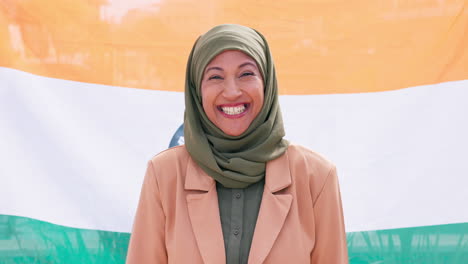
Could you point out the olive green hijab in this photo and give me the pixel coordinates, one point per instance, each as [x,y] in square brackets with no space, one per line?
[233,161]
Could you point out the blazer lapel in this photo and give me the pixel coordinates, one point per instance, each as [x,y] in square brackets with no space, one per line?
[203,210]
[273,209]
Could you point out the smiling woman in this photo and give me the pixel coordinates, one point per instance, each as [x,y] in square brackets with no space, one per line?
[237,192]
[232,91]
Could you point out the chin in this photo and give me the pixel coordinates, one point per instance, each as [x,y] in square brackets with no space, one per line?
[234,132]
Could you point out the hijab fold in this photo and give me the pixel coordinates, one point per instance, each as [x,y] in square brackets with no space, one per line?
[233,161]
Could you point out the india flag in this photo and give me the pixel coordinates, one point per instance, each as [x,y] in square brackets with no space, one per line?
[91,90]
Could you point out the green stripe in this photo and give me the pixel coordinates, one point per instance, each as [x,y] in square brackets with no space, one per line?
[439,244]
[25,240]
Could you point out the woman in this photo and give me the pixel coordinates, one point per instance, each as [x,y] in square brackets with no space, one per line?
[237,192]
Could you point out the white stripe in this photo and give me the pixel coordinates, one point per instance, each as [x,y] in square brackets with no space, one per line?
[401,155]
[75,153]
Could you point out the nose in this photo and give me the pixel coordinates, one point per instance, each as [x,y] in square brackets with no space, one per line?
[231,90]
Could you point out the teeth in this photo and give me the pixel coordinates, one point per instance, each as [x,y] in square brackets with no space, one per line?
[233,110]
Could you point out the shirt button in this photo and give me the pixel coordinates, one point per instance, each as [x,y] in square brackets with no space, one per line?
[238,195]
[236,231]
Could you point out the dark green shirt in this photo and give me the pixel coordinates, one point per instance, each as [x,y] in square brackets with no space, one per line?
[238,209]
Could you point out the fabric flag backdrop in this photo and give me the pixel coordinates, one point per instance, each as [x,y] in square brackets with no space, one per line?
[91,90]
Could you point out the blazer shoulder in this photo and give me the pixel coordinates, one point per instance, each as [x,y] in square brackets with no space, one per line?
[307,163]
[298,152]
[170,156]
[170,163]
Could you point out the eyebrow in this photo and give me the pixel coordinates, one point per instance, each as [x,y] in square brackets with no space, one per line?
[247,63]
[221,69]
[214,68]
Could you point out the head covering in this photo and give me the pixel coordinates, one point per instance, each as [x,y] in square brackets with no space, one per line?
[233,161]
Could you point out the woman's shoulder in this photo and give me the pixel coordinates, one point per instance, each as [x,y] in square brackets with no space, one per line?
[298,153]
[171,159]
[169,167]
[310,166]
[174,154]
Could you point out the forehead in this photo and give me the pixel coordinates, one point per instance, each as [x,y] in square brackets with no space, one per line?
[228,57]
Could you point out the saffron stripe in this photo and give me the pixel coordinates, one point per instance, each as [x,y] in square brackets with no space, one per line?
[319,47]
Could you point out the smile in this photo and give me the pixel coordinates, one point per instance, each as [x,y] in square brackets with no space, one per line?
[233,110]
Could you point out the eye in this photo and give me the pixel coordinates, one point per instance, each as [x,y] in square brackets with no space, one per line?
[215,77]
[247,74]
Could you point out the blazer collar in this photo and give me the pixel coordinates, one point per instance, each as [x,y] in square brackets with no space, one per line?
[278,175]
[273,209]
[196,178]
[204,215]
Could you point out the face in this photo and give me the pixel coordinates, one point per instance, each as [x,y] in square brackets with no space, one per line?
[232,91]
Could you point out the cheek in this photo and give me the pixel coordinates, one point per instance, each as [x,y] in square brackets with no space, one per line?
[207,101]
[204,97]
[258,96]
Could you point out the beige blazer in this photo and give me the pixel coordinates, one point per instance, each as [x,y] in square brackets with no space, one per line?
[300,218]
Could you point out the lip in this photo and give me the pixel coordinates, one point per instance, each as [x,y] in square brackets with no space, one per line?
[220,110]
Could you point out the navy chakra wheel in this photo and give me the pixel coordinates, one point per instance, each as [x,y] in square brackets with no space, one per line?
[178,138]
